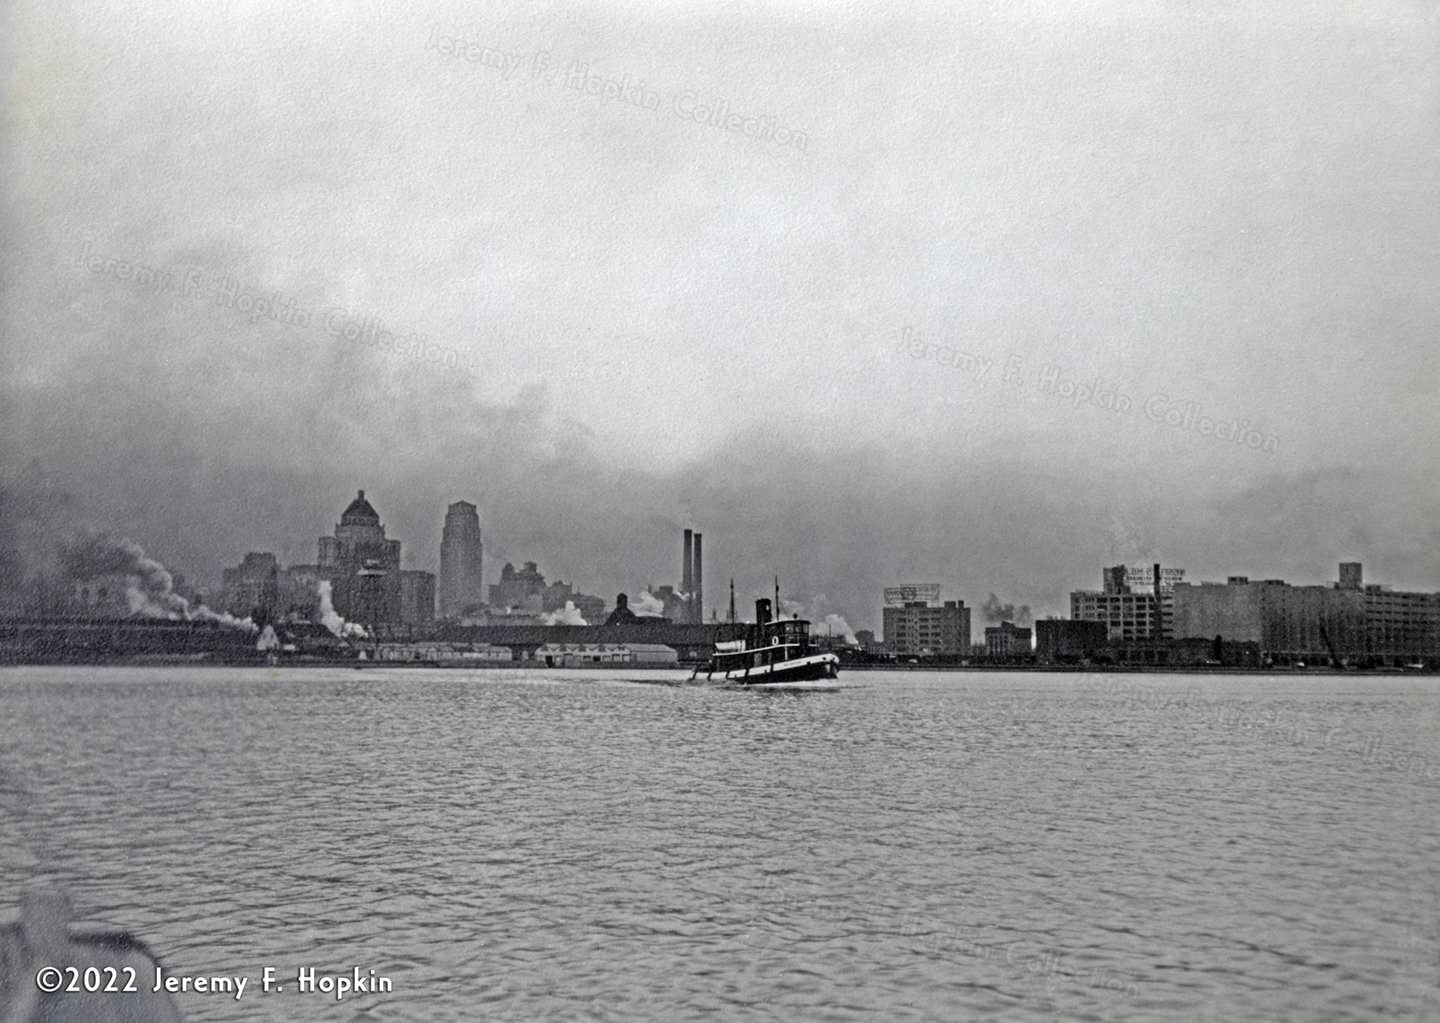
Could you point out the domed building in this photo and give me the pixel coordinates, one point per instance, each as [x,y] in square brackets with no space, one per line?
[363,567]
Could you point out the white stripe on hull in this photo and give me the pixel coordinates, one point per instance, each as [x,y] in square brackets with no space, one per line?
[805,669]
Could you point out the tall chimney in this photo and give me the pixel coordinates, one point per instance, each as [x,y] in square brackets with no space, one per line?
[697,599]
[1159,630]
[687,578]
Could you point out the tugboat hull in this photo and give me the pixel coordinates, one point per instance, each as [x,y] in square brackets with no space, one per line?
[815,668]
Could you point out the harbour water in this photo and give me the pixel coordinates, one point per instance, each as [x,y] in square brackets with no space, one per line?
[591,845]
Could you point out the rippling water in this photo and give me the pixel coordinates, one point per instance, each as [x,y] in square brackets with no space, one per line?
[916,846]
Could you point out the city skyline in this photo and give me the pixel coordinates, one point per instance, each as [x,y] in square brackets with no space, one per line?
[1132,578]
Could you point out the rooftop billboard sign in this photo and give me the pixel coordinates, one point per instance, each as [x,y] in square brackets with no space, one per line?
[911,593]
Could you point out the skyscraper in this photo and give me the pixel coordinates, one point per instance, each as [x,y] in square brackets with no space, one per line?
[417,597]
[520,591]
[253,585]
[363,566]
[461,556]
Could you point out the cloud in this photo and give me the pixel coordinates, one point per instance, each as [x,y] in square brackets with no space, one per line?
[1133,214]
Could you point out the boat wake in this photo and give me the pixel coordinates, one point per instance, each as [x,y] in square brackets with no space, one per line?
[816,686]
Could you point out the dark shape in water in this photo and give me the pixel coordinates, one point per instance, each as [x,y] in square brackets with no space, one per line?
[43,937]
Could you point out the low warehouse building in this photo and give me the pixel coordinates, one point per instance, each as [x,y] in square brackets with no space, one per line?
[443,653]
[567,655]
[653,653]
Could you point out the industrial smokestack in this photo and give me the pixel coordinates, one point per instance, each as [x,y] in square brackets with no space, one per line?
[697,595]
[687,578]
[1159,622]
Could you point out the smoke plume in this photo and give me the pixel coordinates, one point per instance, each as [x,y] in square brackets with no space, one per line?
[995,611]
[840,627]
[647,605]
[816,614]
[331,619]
[149,586]
[568,615]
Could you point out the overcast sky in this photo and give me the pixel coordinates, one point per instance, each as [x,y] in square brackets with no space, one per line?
[829,354]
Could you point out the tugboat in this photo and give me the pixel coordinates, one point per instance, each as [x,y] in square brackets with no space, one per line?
[772,652]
